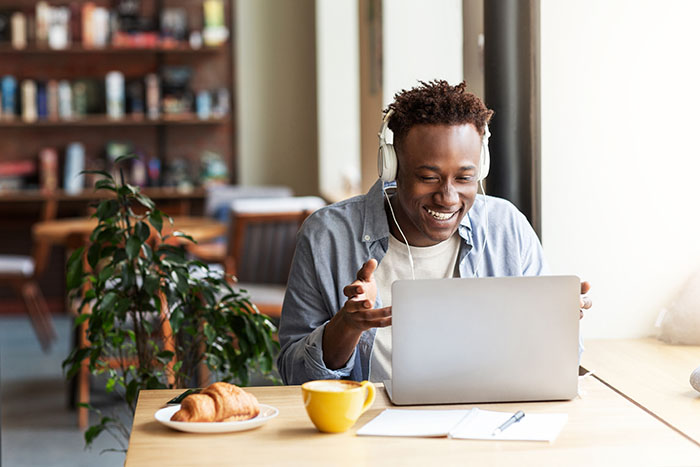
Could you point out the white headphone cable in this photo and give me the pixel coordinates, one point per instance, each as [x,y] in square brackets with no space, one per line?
[410,256]
[486,229]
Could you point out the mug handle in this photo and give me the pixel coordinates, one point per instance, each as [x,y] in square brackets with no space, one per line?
[369,400]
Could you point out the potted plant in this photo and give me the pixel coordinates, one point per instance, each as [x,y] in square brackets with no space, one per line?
[152,316]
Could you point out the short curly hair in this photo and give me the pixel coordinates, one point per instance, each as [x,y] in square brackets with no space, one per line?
[436,103]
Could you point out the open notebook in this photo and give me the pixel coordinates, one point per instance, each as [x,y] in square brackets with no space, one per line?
[464,424]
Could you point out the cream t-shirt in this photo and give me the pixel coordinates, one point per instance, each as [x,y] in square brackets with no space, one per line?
[431,262]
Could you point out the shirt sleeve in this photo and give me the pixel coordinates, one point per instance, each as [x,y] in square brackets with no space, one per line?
[532,260]
[305,314]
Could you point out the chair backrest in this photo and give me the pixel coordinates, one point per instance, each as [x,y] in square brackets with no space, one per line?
[219,197]
[262,236]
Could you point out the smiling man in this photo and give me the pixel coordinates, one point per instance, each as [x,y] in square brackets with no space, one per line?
[430,223]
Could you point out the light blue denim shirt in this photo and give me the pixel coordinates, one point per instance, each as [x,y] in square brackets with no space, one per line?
[337,240]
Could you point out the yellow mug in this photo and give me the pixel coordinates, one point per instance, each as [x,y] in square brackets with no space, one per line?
[335,405]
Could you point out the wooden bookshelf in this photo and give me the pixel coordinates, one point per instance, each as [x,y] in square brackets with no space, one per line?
[170,137]
[155,193]
[181,136]
[105,121]
[7,49]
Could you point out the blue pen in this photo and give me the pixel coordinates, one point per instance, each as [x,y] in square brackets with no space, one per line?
[517,416]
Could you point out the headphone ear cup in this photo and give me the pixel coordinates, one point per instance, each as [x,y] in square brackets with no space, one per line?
[484,161]
[485,156]
[387,163]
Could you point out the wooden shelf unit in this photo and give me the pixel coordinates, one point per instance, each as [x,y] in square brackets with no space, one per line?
[105,121]
[170,137]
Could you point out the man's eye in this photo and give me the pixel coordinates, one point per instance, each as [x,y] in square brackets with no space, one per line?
[467,178]
[428,178]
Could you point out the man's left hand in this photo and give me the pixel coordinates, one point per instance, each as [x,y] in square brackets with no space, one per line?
[586,301]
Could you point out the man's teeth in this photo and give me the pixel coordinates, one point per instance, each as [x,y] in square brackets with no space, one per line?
[442,216]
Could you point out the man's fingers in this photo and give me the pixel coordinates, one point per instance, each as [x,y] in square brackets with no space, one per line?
[353,289]
[367,318]
[586,302]
[378,313]
[382,323]
[585,287]
[366,271]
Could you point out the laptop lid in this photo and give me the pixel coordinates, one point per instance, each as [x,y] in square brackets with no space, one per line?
[494,339]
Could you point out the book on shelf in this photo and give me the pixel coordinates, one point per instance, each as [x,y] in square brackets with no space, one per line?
[41,101]
[8,87]
[73,179]
[18,168]
[29,111]
[48,169]
[5,26]
[19,30]
[52,99]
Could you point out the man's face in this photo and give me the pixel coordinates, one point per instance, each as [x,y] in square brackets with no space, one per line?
[436,182]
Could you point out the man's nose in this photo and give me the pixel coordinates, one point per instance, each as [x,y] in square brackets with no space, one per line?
[448,194]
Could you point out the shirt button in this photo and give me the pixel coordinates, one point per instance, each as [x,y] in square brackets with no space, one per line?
[367,238]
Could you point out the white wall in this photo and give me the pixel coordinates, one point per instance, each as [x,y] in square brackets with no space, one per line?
[276,93]
[620,157]
[338,78]
[421,41]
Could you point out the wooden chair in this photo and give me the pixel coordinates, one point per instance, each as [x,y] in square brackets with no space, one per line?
[82,382]
[21,273]
[218,205]
[260,247]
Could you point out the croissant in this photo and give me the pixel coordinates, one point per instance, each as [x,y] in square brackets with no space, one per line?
[219,402]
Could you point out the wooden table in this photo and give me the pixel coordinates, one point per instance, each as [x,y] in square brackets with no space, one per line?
[653,374]
[604,428]
[72,231]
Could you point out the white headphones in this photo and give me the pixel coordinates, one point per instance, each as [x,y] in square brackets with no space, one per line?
[387,163]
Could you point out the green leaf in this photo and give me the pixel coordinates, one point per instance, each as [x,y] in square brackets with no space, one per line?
[176,318]
[209,332]
[155,218]
[119,256]
[132,390]
[133,244]
[165,356]
[74,272]
[150,284]
[179,234]
[123,158]
[110,384]
[93,255]
[105,184]
[107,208]
[81,318]
[128,277]
[106,274]
[142,231]
[108,301]
[145,201]
[92,433]
[104,173]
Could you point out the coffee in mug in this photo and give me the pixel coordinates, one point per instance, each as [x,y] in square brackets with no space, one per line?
[335,405]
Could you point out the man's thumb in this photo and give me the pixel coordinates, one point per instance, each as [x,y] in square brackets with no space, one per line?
[367,270]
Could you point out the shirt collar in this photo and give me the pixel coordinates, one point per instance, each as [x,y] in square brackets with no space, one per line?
[376,226]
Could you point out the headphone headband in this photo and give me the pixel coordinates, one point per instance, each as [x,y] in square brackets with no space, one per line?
[387,162]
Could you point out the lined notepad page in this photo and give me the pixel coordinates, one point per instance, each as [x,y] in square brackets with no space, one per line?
[480,424]
[464,424]
[420,423]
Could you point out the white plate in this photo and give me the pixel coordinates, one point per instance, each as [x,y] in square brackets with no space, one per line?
[267,412]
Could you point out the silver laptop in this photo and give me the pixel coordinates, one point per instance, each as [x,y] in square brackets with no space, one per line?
[492,339]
